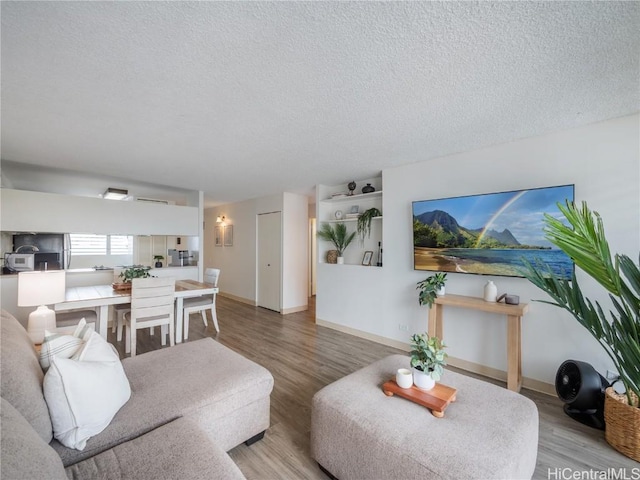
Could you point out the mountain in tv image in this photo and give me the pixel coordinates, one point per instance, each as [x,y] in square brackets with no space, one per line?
[439,229]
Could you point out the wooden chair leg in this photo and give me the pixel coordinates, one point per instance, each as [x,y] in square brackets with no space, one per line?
[127,346]
[185,330]
[163,335]
[133,341]
[172,333]
[214,316]
[203,314]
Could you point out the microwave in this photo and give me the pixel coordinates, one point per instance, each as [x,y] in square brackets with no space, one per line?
[20,262]
[26,262]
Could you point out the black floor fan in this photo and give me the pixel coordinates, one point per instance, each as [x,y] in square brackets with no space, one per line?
[581,388]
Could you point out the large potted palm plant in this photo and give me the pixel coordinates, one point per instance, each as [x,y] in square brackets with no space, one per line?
[337,234]
[618,330]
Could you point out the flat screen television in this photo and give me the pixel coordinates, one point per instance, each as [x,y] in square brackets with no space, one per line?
[489,234]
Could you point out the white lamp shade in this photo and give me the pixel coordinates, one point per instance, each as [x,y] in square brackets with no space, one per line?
[41,288]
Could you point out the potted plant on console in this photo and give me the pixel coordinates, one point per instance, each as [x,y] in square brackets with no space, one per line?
[128,274]
[427,360]
[616,329]
[430,288]
[337,234]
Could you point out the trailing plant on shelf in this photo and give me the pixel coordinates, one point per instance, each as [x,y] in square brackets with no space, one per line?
[337,235]
[430,287]
[428,355]
[134,271]
[618,331]
[364,222]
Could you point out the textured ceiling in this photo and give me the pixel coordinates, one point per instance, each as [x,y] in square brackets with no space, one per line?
[245,99]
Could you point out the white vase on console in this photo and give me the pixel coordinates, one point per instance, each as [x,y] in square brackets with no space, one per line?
[490,292]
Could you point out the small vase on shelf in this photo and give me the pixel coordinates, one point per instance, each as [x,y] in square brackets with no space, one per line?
[368,188]
[490,292]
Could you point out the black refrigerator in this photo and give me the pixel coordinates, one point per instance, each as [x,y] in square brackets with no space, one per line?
[49,249]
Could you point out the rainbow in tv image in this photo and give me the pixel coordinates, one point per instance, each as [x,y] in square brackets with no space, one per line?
[489,234]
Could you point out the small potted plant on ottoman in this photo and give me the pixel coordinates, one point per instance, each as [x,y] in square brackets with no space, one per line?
[427,360]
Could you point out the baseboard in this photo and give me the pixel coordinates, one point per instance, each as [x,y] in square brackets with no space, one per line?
[301,308]
[389,342]
[246,301]
[529,383]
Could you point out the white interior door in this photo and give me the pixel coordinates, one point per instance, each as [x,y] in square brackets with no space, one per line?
[270,260]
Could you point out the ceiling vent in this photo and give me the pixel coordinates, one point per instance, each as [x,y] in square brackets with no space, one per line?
[154,200]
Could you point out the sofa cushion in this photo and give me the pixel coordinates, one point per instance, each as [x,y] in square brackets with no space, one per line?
[176,450]
[24,454]
[85,392]
[179,381]
[21,376]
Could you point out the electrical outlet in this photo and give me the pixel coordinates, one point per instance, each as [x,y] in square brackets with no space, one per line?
[612,375]
[402,327]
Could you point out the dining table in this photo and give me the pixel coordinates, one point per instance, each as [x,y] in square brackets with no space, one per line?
[101,297]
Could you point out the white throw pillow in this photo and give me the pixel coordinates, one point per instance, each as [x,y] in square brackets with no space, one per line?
[57,345]
[63,346]
[85,392]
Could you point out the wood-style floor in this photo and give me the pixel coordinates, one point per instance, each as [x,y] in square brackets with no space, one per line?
[303,358]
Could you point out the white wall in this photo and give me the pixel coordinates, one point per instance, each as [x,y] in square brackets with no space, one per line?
[238,277]
[237,263]
[603,162]
[295,248]
[26,211]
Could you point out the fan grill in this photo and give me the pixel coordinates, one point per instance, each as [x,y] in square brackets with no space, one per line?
[568,382]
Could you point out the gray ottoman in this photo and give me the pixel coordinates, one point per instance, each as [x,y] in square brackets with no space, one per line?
[357,432]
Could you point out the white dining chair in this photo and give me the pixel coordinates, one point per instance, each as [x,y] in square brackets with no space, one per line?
[202,303]
[152,305]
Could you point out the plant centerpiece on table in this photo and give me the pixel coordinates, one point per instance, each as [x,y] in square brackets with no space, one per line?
[430,288]
[158,259]
[618,331]
[129,273]
[337,234]
[427,359]
[364,222]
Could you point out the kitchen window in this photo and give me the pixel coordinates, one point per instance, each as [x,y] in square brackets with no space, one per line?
[91,244]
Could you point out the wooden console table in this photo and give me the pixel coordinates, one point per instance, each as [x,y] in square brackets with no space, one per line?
[514,315]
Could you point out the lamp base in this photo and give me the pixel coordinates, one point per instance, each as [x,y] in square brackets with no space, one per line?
[41,319]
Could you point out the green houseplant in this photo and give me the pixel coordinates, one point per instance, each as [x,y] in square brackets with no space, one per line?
[427,359]
[618,331]
[338,236]
[364,222]
[430,288]
[158,259]
[134,271]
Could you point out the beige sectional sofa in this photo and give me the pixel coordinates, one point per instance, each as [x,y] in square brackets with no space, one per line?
[189,405]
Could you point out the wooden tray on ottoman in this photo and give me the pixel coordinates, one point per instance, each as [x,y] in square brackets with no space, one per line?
[437,399]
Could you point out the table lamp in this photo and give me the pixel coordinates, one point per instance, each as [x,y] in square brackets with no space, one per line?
[41,288]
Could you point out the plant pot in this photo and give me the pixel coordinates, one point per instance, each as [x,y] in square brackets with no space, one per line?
[440,292]
[340,260]
[158,264]
[422,380]
[332,256]
[622,424]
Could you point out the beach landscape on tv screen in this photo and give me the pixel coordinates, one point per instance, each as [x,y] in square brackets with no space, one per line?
[489,234]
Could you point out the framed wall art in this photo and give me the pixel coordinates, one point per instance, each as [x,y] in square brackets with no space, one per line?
[218,235]
[228,235]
